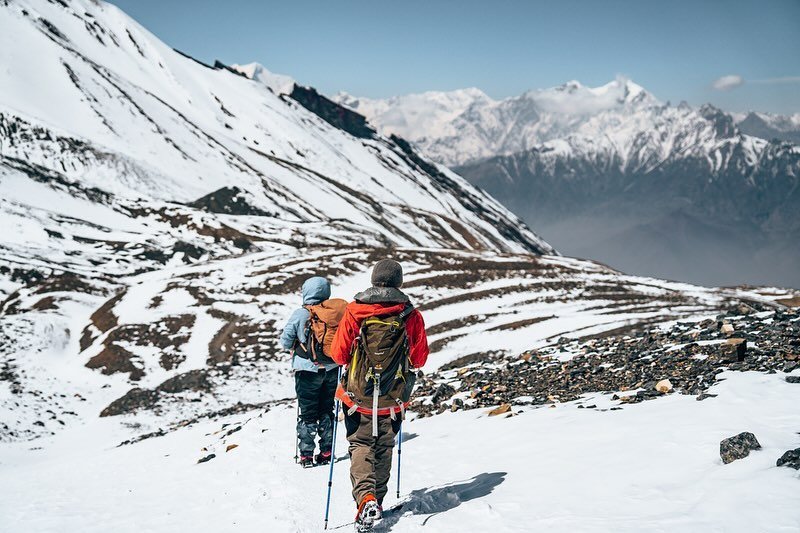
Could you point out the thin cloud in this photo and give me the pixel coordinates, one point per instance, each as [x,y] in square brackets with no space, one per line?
[726,83]
[732,81]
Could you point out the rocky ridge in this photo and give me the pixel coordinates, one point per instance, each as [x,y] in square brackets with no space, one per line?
[690,355]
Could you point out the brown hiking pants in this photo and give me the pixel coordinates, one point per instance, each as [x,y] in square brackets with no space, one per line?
[370,457]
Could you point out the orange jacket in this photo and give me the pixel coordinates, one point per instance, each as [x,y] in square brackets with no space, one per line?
[356,312]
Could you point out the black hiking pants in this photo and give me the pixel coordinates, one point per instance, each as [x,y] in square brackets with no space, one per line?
[315,394]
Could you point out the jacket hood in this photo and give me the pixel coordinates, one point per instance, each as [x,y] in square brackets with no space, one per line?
[316,290]
[361,310]
[375,295]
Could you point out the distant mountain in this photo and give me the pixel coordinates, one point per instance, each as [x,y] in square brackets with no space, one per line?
[613,174]
[683,194]
[458,127]
[769,126]
[277,83]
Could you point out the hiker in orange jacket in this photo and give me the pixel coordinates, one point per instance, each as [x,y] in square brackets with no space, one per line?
[371,433]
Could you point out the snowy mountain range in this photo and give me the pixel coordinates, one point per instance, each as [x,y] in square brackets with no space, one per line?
[459,127]
[770,126]
[612,173]
[158,218]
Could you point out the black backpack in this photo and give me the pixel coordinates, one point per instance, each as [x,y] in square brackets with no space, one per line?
[379,374]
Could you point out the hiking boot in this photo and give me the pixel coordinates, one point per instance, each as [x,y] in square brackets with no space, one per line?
[323,458]
[368,513]
[306,461]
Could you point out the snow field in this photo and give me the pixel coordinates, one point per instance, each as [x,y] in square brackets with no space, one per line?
[653,466]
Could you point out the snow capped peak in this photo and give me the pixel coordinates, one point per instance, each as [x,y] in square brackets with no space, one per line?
[574,98]
[460,126]
[779,122]
[431,111]
[570,86]
[468,94]
[626,92]
[277,83]
[769,125]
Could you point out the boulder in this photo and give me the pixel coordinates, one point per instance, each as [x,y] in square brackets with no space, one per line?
[502,409]
[457,404]
[194,380]
[207,458]
[132,400]
[791,459]
[738,447]
[727,328]
[443,392]
[793,379]
[664,386]
[735,348]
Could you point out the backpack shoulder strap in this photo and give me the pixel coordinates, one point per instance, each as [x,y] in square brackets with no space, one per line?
[313,314]
[409,308]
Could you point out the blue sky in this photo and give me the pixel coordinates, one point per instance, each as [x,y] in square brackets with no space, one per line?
[377,48]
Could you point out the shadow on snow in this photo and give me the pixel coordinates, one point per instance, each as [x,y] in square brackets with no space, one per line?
[437,500]
[409,436]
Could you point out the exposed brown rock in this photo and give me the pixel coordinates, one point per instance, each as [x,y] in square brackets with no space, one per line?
[194,380]
[501,409]
[790,302]
[664,386]
[521,323]
[113,359]
[133,400]
[168,335]
[104,318]
[45,304]
[240,339]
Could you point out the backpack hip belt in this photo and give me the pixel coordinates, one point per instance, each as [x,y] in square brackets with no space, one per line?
[354,406]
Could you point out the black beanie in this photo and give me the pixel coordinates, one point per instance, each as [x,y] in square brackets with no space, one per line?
[387,273]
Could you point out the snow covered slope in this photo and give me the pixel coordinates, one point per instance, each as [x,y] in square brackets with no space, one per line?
[143,123]
[201,338]
[650,467]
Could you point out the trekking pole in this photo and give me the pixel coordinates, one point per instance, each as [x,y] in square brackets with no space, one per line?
[296,436]
[333,453]
[399,452]
[296,421]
